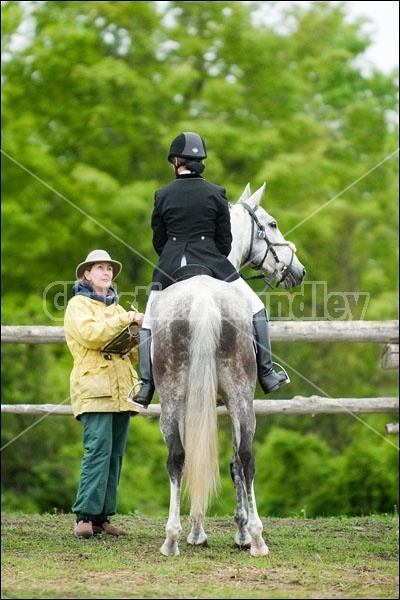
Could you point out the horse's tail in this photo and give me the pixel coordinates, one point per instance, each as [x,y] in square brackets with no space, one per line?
[201,469]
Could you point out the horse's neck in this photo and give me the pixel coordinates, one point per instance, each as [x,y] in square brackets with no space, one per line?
[241,234]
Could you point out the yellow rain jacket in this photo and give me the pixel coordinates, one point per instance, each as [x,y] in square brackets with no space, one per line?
[98,384]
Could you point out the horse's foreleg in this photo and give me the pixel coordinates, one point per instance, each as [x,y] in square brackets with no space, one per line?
[173,527]
[197,535]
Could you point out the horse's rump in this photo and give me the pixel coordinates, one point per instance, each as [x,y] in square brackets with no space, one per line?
[207,316]
[202,349]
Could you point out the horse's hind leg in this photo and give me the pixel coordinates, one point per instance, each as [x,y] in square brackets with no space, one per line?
[254,525]
[257,547]
[242,536]
[175,461]
[173,527]
[249,532]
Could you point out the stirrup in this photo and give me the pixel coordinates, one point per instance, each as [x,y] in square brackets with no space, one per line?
[278,366]
[130,400]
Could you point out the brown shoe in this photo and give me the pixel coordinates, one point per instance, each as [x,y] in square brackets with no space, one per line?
[107,527]
[83,529]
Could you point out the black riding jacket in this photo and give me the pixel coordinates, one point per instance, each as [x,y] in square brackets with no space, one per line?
[191,217]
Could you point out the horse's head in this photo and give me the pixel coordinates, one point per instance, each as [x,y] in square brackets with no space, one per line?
[258,243]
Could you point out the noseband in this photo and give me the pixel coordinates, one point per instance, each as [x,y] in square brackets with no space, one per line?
[262,235]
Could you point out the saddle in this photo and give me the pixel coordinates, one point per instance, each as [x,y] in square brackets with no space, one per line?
[190,270]
[123,342]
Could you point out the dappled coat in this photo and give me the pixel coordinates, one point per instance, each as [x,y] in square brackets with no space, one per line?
[98,384]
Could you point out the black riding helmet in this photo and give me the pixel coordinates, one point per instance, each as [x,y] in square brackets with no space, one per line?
[188,145]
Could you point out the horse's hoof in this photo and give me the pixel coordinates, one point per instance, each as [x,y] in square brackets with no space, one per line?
[168,549]
[259,549]
[243,540]
[242,546]
[197,540]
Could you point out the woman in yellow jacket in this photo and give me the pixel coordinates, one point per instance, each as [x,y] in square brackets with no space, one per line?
[100,384]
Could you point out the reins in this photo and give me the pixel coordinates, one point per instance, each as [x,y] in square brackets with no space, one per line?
[262,235]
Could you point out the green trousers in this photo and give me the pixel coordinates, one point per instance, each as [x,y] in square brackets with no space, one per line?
[104,441]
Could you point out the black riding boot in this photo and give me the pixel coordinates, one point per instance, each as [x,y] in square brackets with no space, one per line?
[145,394]
[269,379]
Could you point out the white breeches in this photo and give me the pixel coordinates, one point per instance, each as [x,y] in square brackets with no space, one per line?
[240,284]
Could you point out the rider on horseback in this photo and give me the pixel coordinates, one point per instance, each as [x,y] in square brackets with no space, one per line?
[191,226]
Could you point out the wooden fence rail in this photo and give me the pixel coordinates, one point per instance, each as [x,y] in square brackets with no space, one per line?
[384,332]
[299,405]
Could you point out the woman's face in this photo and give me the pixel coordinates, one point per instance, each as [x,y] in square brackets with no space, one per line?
[100,277]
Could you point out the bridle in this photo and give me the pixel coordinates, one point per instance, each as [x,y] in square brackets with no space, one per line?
[262,235]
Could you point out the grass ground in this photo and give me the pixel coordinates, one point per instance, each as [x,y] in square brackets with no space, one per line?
[321,558]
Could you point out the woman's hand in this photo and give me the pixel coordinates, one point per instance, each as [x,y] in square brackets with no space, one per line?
[137,316]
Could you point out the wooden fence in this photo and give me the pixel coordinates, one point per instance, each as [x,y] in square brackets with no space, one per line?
[378,332]
[381,332]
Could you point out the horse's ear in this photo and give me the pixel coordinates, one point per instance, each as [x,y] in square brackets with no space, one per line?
[246,194]
[256,198]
